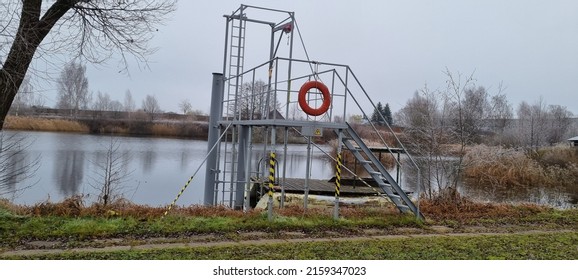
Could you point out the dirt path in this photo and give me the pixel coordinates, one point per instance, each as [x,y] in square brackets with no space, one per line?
[260,240]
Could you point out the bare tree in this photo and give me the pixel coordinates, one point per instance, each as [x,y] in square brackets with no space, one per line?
[252,101]
[439,125]
[115,106]
[102,102]
[93,30]
[151,106]
[128,104]
[465,128]
[560,122]
[427,130]
[186,106]
[532,124]
[540,124]
[501,112]
[111,173]
[73,88]
[476,109]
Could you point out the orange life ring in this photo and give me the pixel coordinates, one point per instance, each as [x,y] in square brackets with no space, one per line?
[303,102]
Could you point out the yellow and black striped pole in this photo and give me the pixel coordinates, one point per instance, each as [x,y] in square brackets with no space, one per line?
[338,175]
[338,165]
[271,173]
[271,184]
[179,195]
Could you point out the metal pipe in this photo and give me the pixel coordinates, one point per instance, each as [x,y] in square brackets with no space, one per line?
[266,9]
[307,173]
[286,135]
[213,138]
[242,168]
[226,46]
[248,170]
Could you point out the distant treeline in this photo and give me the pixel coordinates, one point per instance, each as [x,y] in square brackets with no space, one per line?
[95,114]
[136,123]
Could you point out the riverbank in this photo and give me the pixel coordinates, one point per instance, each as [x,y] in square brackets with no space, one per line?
[41,124]
[190,127]
[464,230]
[121,127]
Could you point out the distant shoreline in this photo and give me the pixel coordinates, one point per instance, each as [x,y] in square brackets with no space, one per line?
[197,130]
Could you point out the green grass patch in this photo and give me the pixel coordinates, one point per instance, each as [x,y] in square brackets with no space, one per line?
[27,228]
[550,246]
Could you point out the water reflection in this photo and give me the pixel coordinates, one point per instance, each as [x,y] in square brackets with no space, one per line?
[16,163]
[147,158]
[158,169]
[68,171]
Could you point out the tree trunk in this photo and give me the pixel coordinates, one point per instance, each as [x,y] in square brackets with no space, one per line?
[31,31]
[8,90]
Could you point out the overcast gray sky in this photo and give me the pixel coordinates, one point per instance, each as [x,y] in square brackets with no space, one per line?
[394,47]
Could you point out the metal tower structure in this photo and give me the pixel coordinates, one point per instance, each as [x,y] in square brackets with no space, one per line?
[262,102]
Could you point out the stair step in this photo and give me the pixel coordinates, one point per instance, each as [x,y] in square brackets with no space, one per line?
[375,169]
[404,208]
[383,184]
[394,196]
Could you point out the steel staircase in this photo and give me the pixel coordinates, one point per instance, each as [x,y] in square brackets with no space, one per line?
[373,166]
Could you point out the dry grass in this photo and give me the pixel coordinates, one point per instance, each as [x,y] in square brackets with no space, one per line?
[561,156]
[59,125]
[13,208]
[188,130]
[118,127]
[463,210]
[164,130]
[75,207]
[549,167]
[438,210]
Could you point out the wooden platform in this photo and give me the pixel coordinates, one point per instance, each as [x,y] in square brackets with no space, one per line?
[327,187]
[350,188]
[384,150]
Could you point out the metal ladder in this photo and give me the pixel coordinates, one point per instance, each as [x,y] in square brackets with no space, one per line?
[373,166]
[228,177]
[236,56]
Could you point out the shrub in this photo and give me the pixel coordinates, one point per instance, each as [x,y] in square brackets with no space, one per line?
[496,166]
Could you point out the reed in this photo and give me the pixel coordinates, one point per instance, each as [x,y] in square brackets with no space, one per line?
[112,126]
[39,124]
[496,166]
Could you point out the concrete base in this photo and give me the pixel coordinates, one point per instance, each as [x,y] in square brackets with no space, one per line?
[324,201]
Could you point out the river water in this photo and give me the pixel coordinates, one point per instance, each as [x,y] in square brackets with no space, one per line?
[155,169]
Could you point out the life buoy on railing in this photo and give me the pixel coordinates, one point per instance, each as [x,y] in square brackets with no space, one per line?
[303,101]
